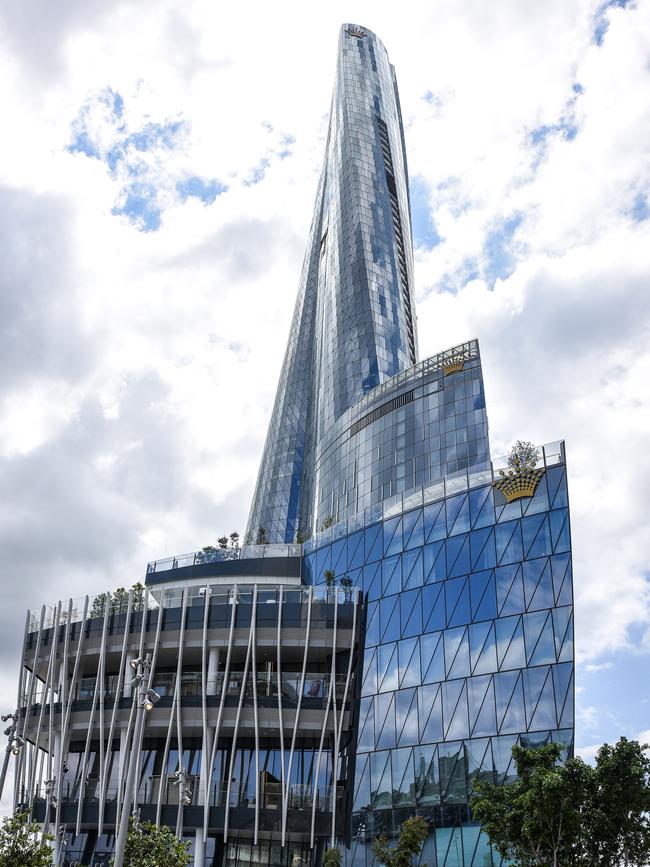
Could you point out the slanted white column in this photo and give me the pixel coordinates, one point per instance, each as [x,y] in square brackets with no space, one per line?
[213,669]
[199,849]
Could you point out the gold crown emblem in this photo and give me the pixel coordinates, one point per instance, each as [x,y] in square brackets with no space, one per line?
[519,484]
[454,363]
[355,31]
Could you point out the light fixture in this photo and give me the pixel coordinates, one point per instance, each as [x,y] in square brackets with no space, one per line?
[6,716]
[17,745]
[134,663]
[151,697]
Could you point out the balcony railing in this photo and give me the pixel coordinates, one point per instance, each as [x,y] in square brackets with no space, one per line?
[220,555]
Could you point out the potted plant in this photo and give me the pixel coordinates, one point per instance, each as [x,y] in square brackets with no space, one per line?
[522,476]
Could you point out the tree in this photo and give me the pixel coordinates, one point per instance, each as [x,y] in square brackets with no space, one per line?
[234,540]
[412,835]
[332,858]
[523,456]
[222,541]
[21,842]
[346,584]
[330,578]
[618,822]
[570,814]
[147,845]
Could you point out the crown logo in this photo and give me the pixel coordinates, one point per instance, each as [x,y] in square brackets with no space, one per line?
[356,32]
[454,363]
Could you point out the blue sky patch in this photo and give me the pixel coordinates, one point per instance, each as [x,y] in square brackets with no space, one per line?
[138,159]
[601,19]
[499,259]
[424,228]
[200,188]
[641,208]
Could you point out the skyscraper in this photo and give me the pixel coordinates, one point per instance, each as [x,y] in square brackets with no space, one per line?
[399,616]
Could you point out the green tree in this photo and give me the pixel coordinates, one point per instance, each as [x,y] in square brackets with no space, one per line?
[330,578]
[21,843]
[617,826]
[535,821]
[147,845]
[332,858]
[523,456]
[412,835]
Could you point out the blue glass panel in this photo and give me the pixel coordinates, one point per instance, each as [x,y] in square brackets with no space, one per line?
[385,721]
[323,563]
[433,607]
[536,536]
[380,780]
[483,553]
[389,619]
[372,580]
[355,550]
[454,709]
[369,681]
[372,542]
[482,646]
[540,703]
[411,613]
[452,774]
[562,579]
[432,657]
[391,575]
[372,624]
[482,710]
[362,783]
[502,757]
[481,507]
[457,514]
[413,529]
[457,601]
[412,572]
[392,536]
[457,652]
[366,739]
[435,527]
[538,584]
[510,643]
[538,631]
[508,539]
[409,662]
[434,562]
[427,775]
[457,556]
[560,531]
[339,558]
[309,564]
[483,595]
[387,670]
[510,590]
[430,713]
[563,628]
[406,716]
[510,702]
[403,778]
[557,492]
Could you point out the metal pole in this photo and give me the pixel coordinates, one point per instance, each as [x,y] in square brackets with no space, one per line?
[142,680]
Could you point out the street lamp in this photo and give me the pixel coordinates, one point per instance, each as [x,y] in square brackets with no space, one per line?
[147,698]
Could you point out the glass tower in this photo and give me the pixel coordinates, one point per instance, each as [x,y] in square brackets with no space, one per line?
[353,326]
[380,465]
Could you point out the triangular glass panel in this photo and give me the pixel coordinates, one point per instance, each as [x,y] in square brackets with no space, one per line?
[366,739]
[457,556]
[413,529]
[504,765]
[560,531]
[562,578]
[434,562]
[510,643]
[391,575]
[534,680]
[372,624]
[483,852]
[385,721]
[411,612]
[362,783]
[381,782]
[483,595]
[566,718]
[453,773]
[565,653]
[510,713]
[481,507]
[505,534]
[457,652]
[412,575]
[457,508]
[561,617]
[538,502]
[392,531]
[372,580]
[409,662]
[455,713]
[562,681]
[430,713]
[457,601]
[355,550]
[482,645]
[372,543]
[557,490]
[433,606]
[536,536]
[369,682]
[544,715]
[540,643]
[387,671]
[482,712]
[406,717]
[323,563]
[435,527]
[339,559]
[427,776]
[389,619]
[510,590]
[454,851]
[542,593]
[403,778]
[432,657]
[482,549]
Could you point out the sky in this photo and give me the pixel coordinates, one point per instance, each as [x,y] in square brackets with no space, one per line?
[158,166]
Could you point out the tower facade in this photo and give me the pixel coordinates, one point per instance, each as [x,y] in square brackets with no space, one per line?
[353,325]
